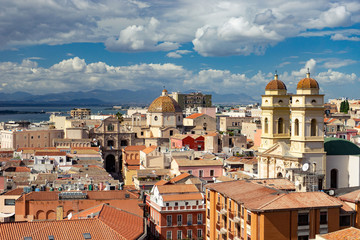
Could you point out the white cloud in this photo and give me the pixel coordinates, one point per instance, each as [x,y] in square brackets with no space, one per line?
[337,63]
[177,53]
[342,37]
[75,74]
[233,27]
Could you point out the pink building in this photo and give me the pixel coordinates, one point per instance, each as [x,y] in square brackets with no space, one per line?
[347,134]
[206,169]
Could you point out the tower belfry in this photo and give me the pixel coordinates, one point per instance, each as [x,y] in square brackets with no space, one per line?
[275,114]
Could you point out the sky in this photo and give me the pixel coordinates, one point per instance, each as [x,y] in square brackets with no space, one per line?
[225,47]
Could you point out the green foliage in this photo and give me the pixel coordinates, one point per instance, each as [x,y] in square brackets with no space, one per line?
[120,117]
[344,106]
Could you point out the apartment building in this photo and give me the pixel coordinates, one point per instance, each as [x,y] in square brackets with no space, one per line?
[176,212]
[248,210]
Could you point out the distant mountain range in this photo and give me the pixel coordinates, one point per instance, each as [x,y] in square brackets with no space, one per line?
[100,97]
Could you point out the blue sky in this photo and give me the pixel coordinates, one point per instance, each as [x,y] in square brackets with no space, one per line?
[218,46]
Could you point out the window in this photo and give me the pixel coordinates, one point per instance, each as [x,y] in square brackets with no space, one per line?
[199,233]
[199,218]
[10,202]
[179,234]
[303,237]
[313,127]
[266,125]
[176,204]
[303,219]
[169,235]
[179,220]
[142,133]
[333,178]
[201,173]
[168,220]
[189,219]
[242,212]
[171,132]
[156,118]
[211,173]
[280,126]
[249,217]
[296,132]
[189,233]
[344,220]
[323,217]
[167,204]
[110,127]
[190,171]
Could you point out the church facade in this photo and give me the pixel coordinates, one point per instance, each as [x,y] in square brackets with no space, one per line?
[292,141]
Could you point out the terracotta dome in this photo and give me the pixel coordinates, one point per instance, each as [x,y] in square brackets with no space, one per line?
[275,84]
[308,83]
[164,104]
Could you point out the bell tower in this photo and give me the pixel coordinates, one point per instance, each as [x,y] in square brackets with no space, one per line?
[275,115]
[307,124]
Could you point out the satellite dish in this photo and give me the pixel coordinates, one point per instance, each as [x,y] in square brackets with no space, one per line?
[305,167]
[297,183]
[287,175]
[69,216]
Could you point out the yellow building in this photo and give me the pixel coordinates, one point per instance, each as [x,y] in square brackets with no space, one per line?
[292,142]
[131,162]
[249,210]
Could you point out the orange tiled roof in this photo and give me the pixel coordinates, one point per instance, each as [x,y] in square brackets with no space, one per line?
[149,149]
[135,148]
[180,177]
[307,83]
[353,196]
[20,169]
[256,197]
[194,115]
[275,85]
[161,182]
[132,167]
[16,191]
[85,213]
[177,188]
[182,197]
[350,233]
[111,223]
[37,153]
[164,104]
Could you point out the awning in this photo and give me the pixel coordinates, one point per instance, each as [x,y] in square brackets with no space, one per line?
[5,215]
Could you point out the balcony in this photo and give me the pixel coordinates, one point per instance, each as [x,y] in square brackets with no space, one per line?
[223,230]
[218,226]
[231,236]
[218,207]
[237,219]
[231,215]
[223,211]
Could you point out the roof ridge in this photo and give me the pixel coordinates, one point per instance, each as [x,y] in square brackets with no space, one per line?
[275,199]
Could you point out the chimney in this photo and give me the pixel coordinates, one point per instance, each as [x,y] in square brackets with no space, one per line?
[59,213]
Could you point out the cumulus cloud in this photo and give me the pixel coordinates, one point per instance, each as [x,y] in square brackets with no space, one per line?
[338,63]
[342,37]
[234,27]
[177,53]
[75,73]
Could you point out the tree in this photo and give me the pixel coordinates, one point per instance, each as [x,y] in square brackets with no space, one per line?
[120,117]
[346,106]
[342,104]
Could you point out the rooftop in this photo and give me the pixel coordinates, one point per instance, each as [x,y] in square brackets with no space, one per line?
[350,233]
[339,146]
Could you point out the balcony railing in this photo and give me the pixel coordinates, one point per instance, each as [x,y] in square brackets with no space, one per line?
[218,207]
[231,215]
[218,226]
[231,236]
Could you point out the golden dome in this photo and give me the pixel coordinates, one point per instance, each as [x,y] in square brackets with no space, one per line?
[163,104]
[307,83]
[275,84]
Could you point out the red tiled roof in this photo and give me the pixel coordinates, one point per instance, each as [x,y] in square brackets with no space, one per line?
[177,188]
[16,191]
[37,153]
[353,196]
[180,177]
[260,198]
[350,233]
[194,115]
[182,197]
[112,223]
[161,182]
[18,169]
[135,148]
[149,149]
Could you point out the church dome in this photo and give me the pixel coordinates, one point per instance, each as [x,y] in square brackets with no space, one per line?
[338,146]
[307,83]
[275,84]
[164,104]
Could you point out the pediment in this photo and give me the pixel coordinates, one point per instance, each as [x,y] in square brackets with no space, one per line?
[280,149]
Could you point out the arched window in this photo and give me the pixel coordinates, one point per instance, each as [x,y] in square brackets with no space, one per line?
[279,175]
[296,125]
[334,178]
[110,127]
[280,125]
[313,127]
[266,125]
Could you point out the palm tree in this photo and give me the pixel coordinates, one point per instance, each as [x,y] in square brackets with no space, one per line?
[120,117]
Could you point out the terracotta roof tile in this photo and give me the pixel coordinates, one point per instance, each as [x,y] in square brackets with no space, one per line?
[275,85]
[135,148]
[161,182]
[180,177]
[37,153]
[182,197]
[350,233]
[149,149]
[186,162]
[307,83]
[260,198]
[194,115]
[177,188]
[16,191]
